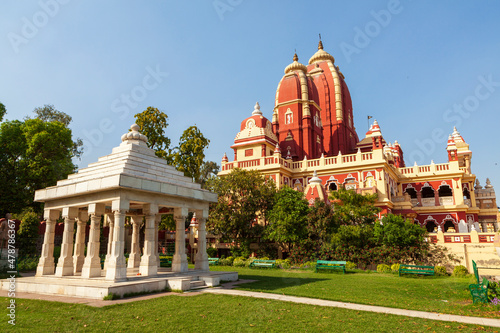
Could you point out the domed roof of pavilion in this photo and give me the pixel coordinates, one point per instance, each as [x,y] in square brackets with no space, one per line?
[132,166]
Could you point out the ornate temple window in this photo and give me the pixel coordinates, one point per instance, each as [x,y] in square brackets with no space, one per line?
[288,116]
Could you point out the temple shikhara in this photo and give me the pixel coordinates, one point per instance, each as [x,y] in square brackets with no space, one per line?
[310,144]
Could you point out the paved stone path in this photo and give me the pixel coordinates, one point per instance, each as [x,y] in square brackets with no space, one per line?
[226,289]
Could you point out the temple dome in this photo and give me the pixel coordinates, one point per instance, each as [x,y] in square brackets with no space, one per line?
[256,126]
[295,66]
[321,55]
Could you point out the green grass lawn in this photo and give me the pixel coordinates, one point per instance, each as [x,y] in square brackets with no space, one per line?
[425,293]
[213,313]
[223,313]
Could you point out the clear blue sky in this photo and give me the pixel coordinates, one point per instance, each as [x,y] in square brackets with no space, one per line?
[415,66]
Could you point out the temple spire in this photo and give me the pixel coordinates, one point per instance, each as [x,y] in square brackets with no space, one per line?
[320,44]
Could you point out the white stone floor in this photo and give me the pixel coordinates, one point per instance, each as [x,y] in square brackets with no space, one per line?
[225,289]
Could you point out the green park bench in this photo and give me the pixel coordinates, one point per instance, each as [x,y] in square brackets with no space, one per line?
[479,290]
[334,265]
[263,263]
[213,261]
[416,269]
[165,262]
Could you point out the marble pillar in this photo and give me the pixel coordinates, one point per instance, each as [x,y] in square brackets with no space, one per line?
[65,262]
[117,268]
[46,264]
[179,261]
[149,266]
[157,223]
[79,251]
[111,224]
[201,262]
[92,264]
[134,258]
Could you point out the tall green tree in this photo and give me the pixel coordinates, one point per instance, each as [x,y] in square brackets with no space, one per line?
[3,111]
[33,154]
[48,113]
[153,123]
[190,155]
[322,222]
[395,231]
[288,218]
[354,209]
[209,170]
[244,197]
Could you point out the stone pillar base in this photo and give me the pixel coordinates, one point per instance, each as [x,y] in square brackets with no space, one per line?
[65,267]
[91,269]
[45,269]
[202,265]
[116,273]
[148,270]
[134,260]
[179,263]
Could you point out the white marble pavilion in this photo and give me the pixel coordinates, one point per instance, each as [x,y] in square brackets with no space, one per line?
[131,181]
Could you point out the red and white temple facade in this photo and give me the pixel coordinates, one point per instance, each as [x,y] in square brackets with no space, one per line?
[310,144]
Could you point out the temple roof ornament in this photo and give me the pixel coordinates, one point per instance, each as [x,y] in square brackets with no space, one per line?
[321,55]
[256,111]
[277,150]
[315,178]
[134,135]
[488,183]
[295,66]
[478,185]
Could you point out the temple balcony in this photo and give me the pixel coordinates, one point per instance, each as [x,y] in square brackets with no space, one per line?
[269,162]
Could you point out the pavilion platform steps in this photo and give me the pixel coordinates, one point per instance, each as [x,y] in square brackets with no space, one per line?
[99,287]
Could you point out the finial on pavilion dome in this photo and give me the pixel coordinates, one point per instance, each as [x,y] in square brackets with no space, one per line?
[224,158]
[295,56]
[488,183]
[256,110]
[134,135]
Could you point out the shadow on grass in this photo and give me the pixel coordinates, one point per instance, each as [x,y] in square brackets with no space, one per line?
[275,282]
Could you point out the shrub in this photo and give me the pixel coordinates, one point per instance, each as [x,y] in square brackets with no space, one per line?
[285,264]
[28,232]
[460,270]
[494,292]
[28,263]
[350,265]
[308,265]
[226,261]
[110,297]
[383,268]
[212,252]
[440,271]
[395,268]
[239,262]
